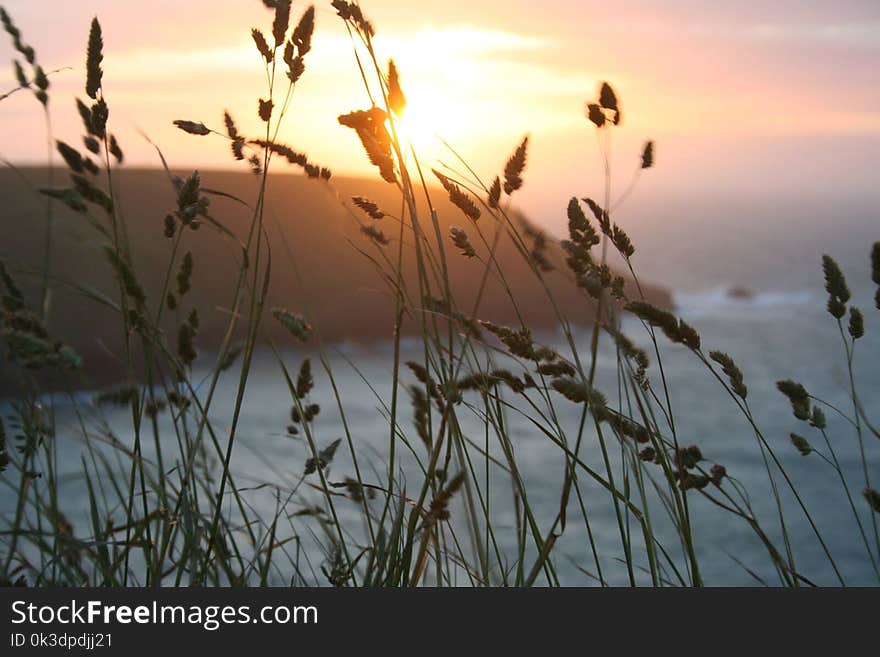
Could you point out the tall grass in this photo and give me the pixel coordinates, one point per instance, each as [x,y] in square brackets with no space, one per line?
[166,504]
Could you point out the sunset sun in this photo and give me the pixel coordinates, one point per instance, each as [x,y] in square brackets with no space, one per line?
[428,121]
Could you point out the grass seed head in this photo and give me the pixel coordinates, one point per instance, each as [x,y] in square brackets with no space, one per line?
[184,275]
[368,207]
[295,324]
[302,33]
[676,330]
[607,97]
[875,263]
[560,368]
[125,275]
[20,76]
[70,197]
[439,507]
[71,156]
[835,285]
[801,444]
[325,457]
[309,413]
[595,115]
[370,128]
[817,418]
[494,193]
[648,155]
[256,164]
[281,22]
[514,168]
[262,46]
[193,127]
[22,48]
[100,114]
[94,57]
[717,473]
[461,241]
[115,150]
[265,109]
[600,214]
[186,349]
[459,198]
[41,81]
[304,380]
[396,97]
[92,145]
[85,114]
[376,235]
[421,414]
[798,396]
[732,371]
[621,242]
[873,499]
[577,220]
[238,140]
[296,68]
[856,323]
[579,392]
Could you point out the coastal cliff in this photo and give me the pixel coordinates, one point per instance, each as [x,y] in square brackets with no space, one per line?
[322,265]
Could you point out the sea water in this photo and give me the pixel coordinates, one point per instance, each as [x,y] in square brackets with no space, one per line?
[775,327]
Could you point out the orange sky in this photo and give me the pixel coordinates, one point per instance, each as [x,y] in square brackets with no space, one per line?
[737,95]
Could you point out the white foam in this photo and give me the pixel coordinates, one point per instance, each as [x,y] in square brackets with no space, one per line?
[719,301]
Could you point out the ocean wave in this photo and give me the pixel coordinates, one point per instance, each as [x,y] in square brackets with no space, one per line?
[723,301]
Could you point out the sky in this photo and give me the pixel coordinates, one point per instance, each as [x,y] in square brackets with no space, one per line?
[739,97]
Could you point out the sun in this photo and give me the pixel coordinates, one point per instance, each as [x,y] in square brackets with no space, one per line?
[450,78]
[428,121]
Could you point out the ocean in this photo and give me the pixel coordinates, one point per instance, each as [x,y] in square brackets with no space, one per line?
[776,328]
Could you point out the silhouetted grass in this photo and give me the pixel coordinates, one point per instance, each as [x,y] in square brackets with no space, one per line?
[166,505]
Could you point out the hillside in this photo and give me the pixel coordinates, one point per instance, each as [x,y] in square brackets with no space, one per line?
[316,268]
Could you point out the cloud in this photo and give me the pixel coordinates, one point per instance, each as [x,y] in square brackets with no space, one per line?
[855,35]
[468,39]
[330,52]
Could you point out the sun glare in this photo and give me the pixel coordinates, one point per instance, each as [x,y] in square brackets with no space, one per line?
[427,121]
[447,76]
